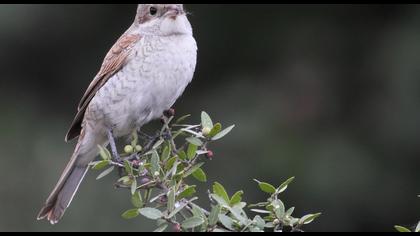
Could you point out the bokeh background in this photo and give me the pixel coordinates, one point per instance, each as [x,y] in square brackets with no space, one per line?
[327,93]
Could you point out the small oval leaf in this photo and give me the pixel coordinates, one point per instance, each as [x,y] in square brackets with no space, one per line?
[206,121]
[192,222]
[223,133]
[130,214]
[216,129]
[402,229]
[195,141]
[219,190]
[200,175]
[266,187]
[151,213]
[105,173]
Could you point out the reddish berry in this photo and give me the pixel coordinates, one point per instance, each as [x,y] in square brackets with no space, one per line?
[177,228]
[210,154]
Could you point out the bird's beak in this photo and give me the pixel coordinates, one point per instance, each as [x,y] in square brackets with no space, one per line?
[173,11]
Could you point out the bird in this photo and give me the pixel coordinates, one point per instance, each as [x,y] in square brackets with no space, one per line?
[142,75]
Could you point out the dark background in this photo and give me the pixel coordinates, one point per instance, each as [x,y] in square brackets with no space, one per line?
[327,93]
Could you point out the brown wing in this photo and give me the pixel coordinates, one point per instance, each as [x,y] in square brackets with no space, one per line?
[113,62]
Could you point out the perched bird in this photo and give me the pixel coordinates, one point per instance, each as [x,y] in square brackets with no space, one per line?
[142,75]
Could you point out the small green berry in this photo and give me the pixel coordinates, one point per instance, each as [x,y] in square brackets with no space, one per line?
[128,149]
[138,148]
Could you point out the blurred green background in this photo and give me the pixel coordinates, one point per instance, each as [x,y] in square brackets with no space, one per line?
[327,93]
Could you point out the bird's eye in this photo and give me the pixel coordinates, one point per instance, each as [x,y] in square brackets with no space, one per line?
[153,11]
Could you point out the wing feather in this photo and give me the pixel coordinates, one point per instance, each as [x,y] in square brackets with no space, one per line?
[113,62]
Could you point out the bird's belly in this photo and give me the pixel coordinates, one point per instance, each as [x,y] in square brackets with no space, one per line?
[147,85]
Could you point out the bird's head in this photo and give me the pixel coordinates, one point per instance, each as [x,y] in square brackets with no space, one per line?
[162,19]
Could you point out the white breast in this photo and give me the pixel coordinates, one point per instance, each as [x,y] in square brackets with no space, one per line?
[157,73]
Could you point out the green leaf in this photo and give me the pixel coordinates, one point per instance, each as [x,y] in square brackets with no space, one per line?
[197,211]
[206,121]
[126,180]
[130,214]
[157,144]
[171,200]
[105,172]
[133,187]
[219,190]
[182,155]
[402,229]
[182,118]
[223,133]
[173,170]
[237,213]
[290,211]
[260,223]
[193,169]
[166,152]
[226,221]
[236,198]
[284,185]
[308,218]
[260,211]
[179,208]
[137,200]
[104,153]
[278,208]
[169,163]
[215,130]
[187,192]
[220,200]
[200,175]
[161,228]
[192,222]
[128,167]
[266,187]
[240,205]
[151,213]
[194,140]
[154,161]
[214,215]
[260,204]
[417,230]
[192,149]
[100,165]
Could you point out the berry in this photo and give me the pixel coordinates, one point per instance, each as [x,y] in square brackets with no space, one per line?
[210,154]
[128,149]
[139,148]
[177,228]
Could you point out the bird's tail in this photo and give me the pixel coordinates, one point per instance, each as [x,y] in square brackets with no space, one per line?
[61,197]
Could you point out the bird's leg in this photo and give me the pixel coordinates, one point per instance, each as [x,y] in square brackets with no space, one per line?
[166,131]
[114,151]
